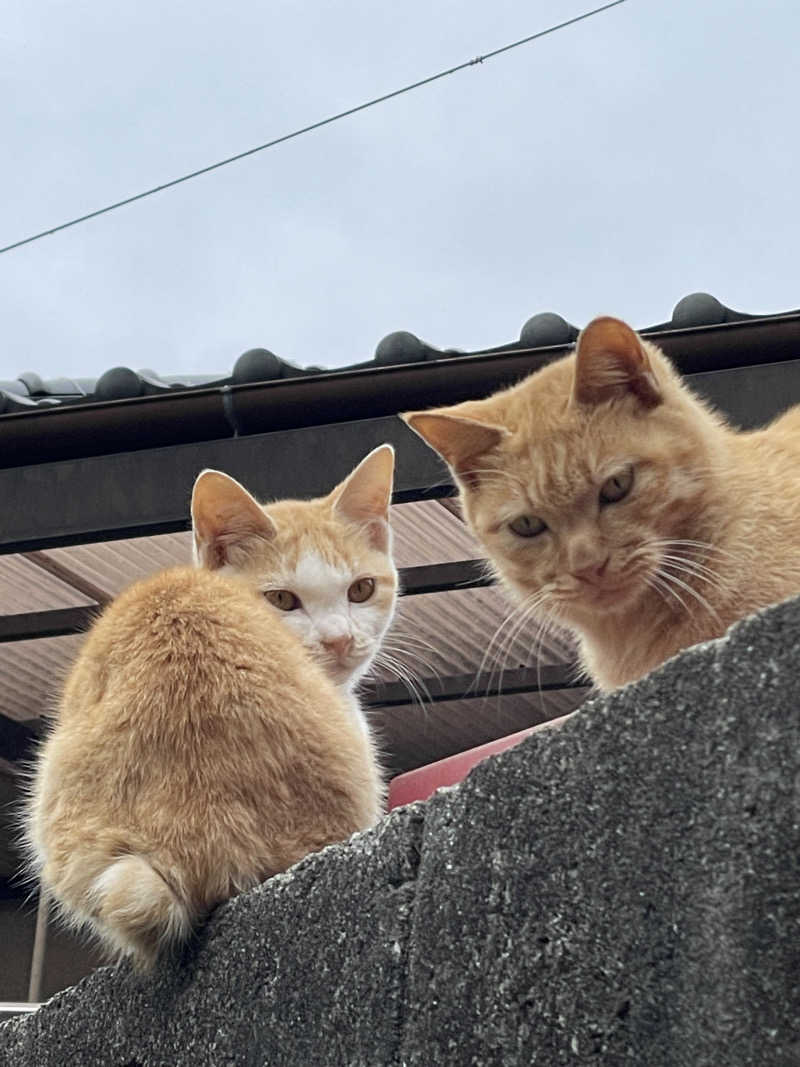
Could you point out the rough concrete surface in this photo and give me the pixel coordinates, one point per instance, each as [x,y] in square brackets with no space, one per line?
[622,891]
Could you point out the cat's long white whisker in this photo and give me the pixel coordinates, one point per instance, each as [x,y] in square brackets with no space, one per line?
[495,641]
[545,627]
[702,574]
[531,609]
[703,546]
[656,589]
[490,646]
[401,635]
[505,621]
[412,681]
[407,642]
[692,564]
[408,683]
[655,581]
[411,664]
[668,576]
[515,620]
[413,654]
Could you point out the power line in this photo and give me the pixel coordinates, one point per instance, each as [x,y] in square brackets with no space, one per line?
[314,126]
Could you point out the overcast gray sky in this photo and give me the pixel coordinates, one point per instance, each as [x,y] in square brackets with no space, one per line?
[612,167]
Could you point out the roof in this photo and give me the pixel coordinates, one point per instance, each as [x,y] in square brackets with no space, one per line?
[30,391]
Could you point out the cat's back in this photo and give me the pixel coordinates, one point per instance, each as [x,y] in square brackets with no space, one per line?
[183,603]
[771,455]
[195,731]
[183,634]
[189,679]
[761,522]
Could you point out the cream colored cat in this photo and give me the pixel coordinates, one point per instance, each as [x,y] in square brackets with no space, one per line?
[208,736]
[614,502]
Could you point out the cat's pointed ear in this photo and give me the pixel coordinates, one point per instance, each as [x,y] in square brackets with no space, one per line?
[458,437]
[610,362]
[227,521]
[366,493]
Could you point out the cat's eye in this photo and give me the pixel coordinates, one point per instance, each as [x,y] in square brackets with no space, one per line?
[283,599]
[361,590]
[617,486]
[527,526]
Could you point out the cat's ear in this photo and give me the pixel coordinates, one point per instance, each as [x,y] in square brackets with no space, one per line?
[228,523]
[459,438]
[610,362]
[365,494]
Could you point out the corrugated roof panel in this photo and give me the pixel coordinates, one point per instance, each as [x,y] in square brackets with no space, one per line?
[26,587]
[113,565]
[32,672]
[413,736]
[427,532]
[457,632]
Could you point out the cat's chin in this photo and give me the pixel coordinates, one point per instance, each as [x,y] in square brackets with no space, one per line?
[344,674]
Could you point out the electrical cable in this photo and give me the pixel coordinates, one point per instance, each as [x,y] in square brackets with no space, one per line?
[307,129]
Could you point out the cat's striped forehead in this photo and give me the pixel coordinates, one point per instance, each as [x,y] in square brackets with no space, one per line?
[310,535]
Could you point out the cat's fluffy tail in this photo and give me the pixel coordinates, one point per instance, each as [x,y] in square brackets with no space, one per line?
[136,912]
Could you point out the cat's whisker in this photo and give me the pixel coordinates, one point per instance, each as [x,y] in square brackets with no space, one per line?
[701,573]
[702,546]
[514,620]
[545,627]
[403,640]
[414,657]
[686,561]
[406,643]
[669,577]
[409,660]
[415,685]
[664,591]
[400,675]
[505,621]
[494,645]
[532,607]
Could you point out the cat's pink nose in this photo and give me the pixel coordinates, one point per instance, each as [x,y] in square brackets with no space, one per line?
[338,646]
[593,572]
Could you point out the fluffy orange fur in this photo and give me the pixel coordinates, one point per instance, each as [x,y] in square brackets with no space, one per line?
[201,745]
[615,503]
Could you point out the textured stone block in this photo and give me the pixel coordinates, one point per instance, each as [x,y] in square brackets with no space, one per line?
[308,968]
[625,890]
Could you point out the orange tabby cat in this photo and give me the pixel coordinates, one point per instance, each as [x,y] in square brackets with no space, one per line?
[208,736]
[613,502]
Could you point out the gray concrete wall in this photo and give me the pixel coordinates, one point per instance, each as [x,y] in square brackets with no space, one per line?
[623,891]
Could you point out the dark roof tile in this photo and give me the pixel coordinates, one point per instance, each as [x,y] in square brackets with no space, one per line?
[543,330]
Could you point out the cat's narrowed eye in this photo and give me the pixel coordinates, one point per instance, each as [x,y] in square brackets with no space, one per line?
[616,487]
[283,599]
[361,590]
[527,526]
